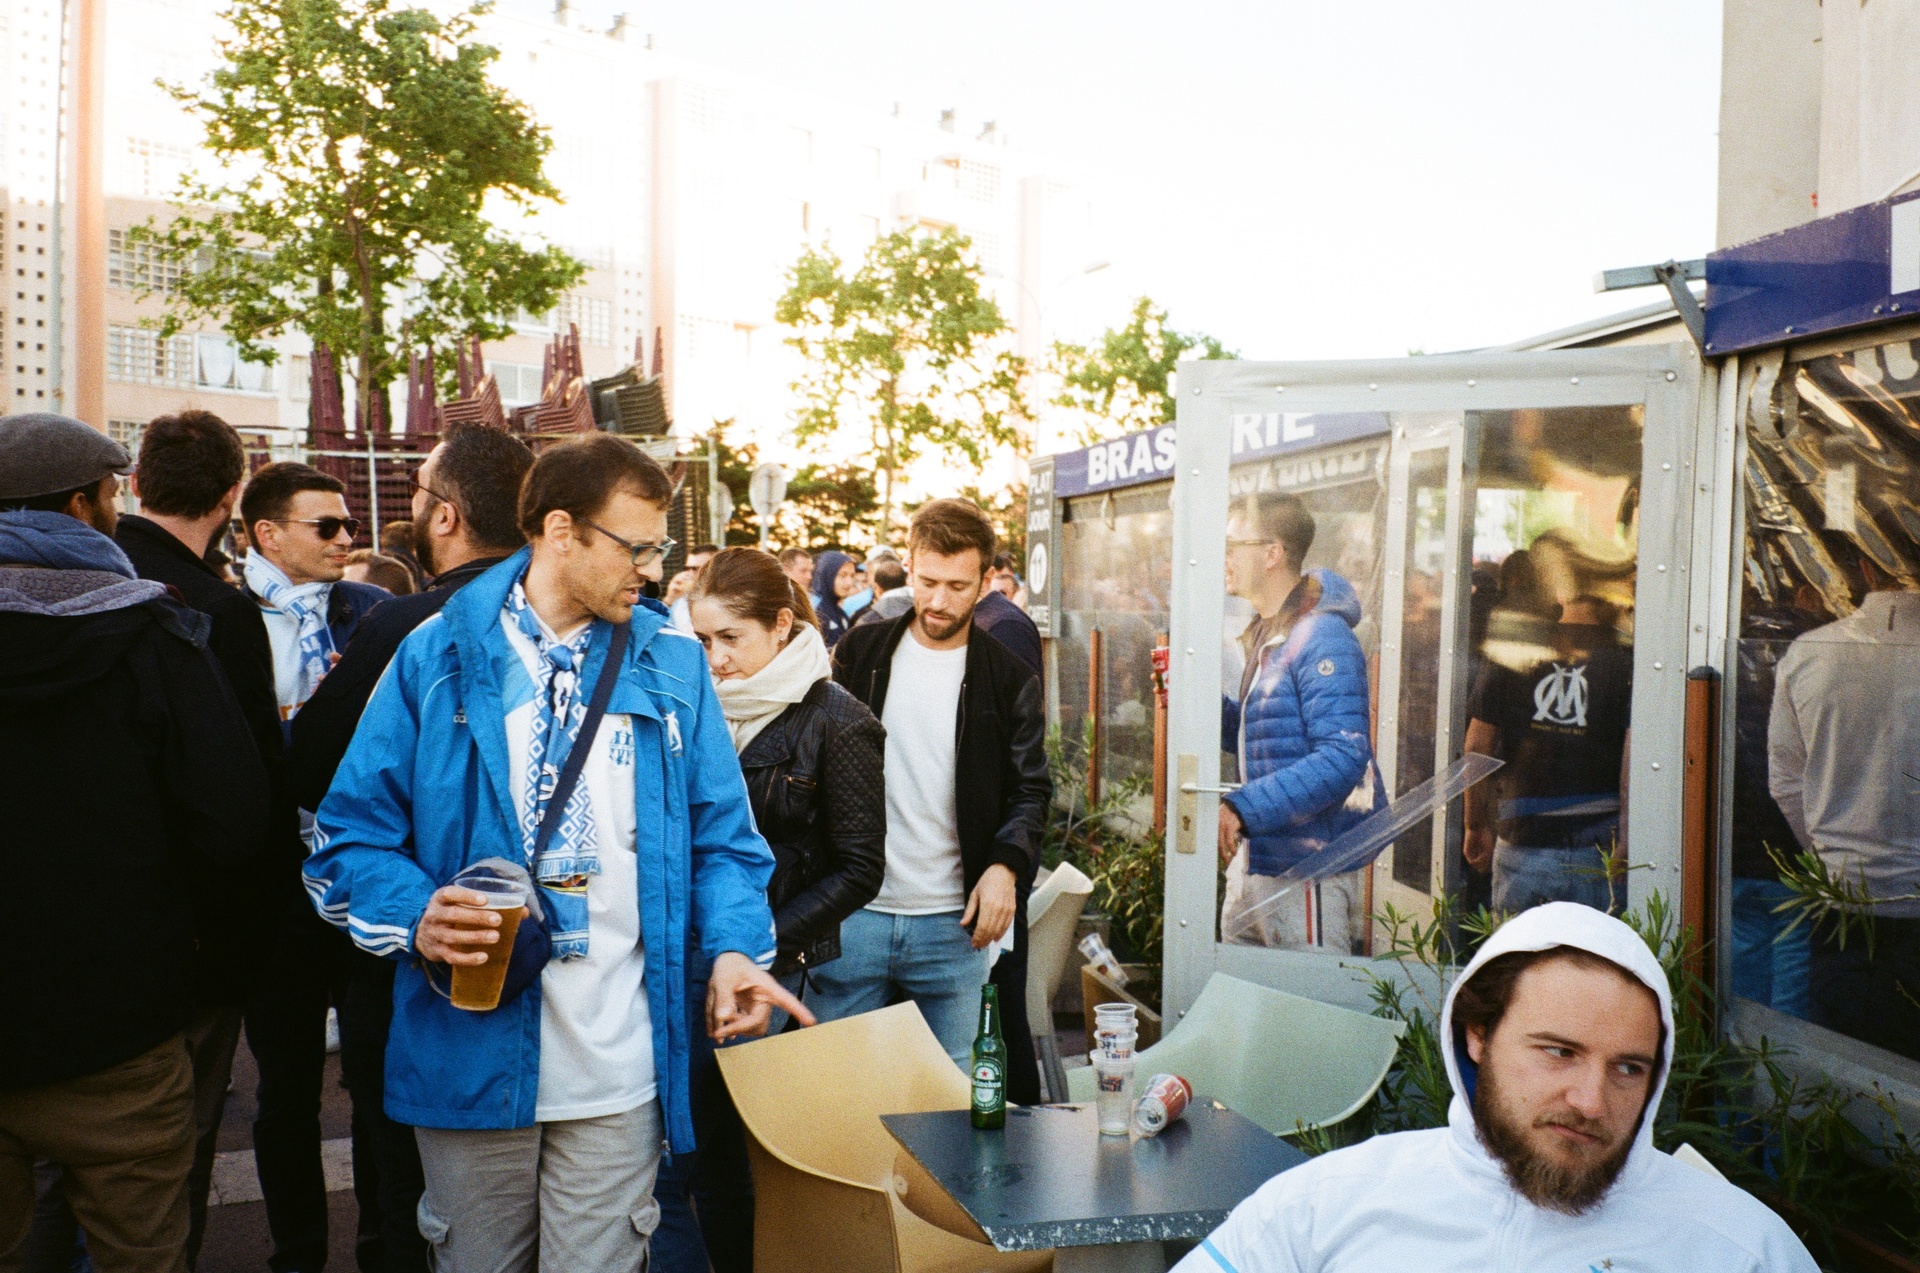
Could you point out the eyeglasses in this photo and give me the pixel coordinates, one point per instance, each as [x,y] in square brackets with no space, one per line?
[326,527]
[1250,543]
[414,483]
[643,554]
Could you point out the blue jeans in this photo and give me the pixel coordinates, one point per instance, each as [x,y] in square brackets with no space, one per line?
[1527,877]
[1766,969]
[706,1197]
[887,959]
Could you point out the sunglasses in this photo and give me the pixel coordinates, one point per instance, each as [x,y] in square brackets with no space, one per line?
[643,554]
[327,528]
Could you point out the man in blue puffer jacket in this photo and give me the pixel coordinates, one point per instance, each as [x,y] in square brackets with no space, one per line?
[1300,728]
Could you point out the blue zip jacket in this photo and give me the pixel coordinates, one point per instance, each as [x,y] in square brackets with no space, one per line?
[424,792]
[1307,767]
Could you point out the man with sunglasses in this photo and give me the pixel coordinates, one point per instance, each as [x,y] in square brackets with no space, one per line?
[540,1121]
[297,522]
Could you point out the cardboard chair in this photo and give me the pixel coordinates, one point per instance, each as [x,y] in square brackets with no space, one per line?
[933,1234]
[823,1165]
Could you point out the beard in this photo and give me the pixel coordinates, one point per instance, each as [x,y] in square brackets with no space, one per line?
[1542,1178]
[941,628]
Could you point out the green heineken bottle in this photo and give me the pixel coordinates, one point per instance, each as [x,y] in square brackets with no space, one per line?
[989,1064]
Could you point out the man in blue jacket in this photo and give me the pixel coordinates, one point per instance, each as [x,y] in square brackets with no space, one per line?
[1299,725]
[541,1121]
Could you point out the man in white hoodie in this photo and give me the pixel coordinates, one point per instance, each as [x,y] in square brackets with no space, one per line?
[1559,1032]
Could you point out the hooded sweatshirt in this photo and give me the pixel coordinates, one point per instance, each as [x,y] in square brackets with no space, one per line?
[127,773]
[1437,1200]
[826,606]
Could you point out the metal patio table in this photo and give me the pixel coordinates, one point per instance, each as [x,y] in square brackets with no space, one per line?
[1051,1180]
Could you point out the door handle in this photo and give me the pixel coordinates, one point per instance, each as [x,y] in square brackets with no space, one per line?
[1186,808]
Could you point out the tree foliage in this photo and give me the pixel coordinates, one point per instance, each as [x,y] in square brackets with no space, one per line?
[359,145]
[904,353]
[827,505]
[1122,384]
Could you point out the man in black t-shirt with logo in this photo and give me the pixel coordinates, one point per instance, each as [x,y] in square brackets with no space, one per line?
[1561,726]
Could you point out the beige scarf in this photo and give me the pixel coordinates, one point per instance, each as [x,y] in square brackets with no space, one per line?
[751,703]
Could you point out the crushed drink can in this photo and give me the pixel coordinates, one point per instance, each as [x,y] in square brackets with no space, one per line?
[1164,1099]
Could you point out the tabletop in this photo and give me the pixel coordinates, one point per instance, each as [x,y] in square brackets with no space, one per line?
[1050,1179]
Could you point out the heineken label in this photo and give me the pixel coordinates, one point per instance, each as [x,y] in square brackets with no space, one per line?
[988,1083]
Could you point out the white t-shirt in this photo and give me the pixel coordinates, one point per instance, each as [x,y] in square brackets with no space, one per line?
[922,717]
[596,1029]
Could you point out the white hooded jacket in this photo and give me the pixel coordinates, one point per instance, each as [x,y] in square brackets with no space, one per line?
[1437,1200]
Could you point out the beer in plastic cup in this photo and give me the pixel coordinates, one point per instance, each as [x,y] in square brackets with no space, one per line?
[476,987]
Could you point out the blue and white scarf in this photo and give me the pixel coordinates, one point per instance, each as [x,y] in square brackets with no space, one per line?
[307,604]
[572,854]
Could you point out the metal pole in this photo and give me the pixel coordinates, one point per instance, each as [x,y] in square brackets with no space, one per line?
[373,492]
[715,523]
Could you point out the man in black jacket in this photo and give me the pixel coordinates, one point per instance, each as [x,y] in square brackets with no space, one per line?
[465,504]
[128,774]
[967,797]
[188,481]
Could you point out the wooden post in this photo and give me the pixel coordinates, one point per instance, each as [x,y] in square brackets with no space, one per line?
[1698,809]
[1096,713]
[1159,742]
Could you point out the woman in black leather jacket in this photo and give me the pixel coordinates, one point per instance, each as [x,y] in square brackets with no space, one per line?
[814,760]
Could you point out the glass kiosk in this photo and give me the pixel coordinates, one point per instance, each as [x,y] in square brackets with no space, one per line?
[1516,508]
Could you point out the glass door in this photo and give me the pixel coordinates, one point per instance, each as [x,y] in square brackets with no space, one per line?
[1344,636]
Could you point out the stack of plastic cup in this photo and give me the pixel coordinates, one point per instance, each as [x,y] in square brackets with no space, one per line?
[1116,1029]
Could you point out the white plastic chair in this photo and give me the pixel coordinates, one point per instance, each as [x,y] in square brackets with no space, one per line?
[1053,914]
[1288,1063]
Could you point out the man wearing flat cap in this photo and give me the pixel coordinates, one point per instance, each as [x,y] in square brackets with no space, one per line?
[127,771]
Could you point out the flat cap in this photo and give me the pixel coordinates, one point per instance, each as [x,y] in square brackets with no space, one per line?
[44,454]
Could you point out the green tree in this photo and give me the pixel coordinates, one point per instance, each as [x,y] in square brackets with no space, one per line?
[1122,383]
[359,145]
[904,353]
[827,505]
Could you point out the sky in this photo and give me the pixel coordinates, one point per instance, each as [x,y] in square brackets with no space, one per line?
[1351,179]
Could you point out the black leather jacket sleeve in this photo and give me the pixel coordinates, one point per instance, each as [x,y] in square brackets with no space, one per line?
[1028,786]
[852,802]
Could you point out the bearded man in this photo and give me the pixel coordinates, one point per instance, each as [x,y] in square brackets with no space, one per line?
[1561,1033]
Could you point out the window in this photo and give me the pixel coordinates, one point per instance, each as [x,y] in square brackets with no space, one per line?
[299,378]
[979,181]
[1826,723]
[218,365]
[137,355]
[127,433]
[140,265]
[518,383]
[595,317]
[154,168]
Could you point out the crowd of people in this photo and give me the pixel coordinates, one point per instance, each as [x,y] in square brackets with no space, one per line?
[282,776]
[248,793]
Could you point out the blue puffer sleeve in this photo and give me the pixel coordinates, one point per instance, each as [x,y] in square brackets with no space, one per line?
[1329,675]
[732,864]
[362,876]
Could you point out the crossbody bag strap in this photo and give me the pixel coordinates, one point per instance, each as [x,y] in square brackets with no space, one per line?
[583,741]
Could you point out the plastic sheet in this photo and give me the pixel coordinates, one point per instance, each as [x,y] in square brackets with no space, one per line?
[1366,840]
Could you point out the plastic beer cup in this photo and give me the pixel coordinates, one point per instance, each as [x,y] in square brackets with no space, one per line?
[476,987]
